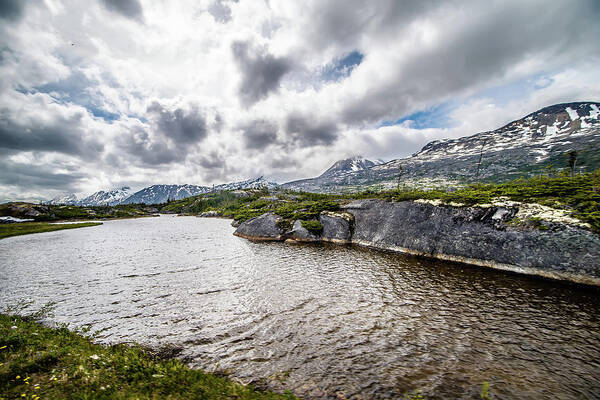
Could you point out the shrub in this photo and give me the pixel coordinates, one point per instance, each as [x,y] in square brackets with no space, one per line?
[312,226]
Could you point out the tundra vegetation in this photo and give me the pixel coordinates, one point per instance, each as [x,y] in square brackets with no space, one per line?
[38,362]
[578,195]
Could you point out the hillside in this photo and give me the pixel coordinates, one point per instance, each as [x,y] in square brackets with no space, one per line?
[526,147]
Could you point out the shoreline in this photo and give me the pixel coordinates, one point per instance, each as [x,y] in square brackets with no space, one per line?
[37,361]
[482,237]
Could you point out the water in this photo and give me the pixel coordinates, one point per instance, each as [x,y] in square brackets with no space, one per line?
[324,321]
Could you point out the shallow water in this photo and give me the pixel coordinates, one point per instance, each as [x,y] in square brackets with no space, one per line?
[324,321]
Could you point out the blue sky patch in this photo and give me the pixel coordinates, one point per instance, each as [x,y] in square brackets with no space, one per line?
[341,68]
[433,117]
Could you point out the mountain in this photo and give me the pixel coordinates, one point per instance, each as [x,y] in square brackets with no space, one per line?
[525,147]
[258,183]
[66,199]
[335,176]
[156,194]
[108,198]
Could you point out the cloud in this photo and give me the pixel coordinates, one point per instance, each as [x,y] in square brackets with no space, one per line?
[179,125]
[128,8]
[261,72]
[216,91]
[305,131]
[220,11]
[259,134]
[11,10]
[168,136]
[50,128]
[38,176]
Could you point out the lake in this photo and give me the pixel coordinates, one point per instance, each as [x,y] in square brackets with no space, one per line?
[323,321]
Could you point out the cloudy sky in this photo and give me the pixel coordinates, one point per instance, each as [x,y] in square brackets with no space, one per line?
[104,93]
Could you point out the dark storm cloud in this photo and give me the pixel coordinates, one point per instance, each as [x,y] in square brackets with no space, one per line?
[343,22]
[138,144]
[168,137]
[128,8]
[212,160]
[63,135]
[259,134]
[482,49]
[38,177]
[179,125]
[305,131]
[11,10]
[261,72]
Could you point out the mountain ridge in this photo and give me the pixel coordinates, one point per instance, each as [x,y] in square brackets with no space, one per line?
[522,147]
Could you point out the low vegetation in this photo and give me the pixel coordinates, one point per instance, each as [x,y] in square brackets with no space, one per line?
[578,195]
[37,362]
[25,228]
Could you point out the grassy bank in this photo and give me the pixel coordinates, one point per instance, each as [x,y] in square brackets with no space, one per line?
[38,362]
[25,228]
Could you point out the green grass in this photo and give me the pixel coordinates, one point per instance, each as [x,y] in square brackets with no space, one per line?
[312,226]
[37,362]
[25,228]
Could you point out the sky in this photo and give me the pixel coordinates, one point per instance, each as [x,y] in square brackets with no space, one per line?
[101,94]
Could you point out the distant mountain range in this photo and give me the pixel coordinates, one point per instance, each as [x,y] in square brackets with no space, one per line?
[528,146]
[156,194]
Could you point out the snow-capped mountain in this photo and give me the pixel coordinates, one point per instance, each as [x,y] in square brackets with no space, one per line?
[353,164]
[336,175]
[258,183]
[106,198]
[524,147]
[66,199]
[156,194]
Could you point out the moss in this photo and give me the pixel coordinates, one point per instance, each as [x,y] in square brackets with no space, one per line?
[312,226]
[40,362]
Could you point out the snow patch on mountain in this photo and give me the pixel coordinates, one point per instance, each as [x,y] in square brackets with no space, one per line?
[107,198]
[65,199]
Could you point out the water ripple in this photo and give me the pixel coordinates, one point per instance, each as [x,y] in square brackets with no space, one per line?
[322,320]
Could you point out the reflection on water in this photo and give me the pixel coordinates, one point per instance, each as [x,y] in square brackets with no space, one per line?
[321,320]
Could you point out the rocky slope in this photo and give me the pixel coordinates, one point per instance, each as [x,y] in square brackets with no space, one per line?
[521,148]
[156,194]
[483,236]
[338,175]
[106,198]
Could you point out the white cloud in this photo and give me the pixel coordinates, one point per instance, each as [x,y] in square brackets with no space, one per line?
[76,62]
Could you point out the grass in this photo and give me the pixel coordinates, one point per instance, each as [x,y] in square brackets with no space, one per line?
[37,362]
[579,194]
[25,228]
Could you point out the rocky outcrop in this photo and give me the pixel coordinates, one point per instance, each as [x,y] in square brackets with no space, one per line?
[209,214]
[337,226]
[301,234]
[266,227]
[478,236]
[483,236]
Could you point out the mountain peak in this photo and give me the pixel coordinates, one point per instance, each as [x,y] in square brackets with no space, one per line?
[352,164]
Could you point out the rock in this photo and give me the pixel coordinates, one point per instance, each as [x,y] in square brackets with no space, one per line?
[475,235]
[235,223]
[239,193]
[210,214]
[301,234]
[337,226]
[265,227]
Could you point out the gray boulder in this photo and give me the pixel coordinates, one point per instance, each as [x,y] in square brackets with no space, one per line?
[301,234]
[337,226]
[210,214]
[265,227]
